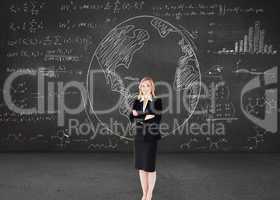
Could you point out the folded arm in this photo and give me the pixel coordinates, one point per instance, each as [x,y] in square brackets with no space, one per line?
[151,116]
[131,116]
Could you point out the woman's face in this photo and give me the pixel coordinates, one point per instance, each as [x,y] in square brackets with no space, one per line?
[146,88]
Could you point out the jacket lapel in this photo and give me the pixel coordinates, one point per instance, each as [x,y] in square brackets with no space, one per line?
[148,107]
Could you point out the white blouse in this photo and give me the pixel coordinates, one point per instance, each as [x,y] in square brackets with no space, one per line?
[144,106]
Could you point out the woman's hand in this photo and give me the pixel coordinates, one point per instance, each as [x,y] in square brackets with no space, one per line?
[135,113]
[149,117]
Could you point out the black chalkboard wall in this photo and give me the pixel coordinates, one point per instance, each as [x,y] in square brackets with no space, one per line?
[64,62]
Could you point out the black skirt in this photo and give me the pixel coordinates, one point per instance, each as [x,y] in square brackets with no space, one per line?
[145,155]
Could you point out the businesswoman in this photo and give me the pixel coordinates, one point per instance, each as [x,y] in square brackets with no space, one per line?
[146,113]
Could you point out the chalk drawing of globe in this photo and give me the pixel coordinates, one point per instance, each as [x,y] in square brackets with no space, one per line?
[137,47]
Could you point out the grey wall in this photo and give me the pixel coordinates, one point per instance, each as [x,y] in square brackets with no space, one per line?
[225,54]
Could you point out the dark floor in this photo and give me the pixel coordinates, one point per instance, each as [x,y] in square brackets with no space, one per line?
[201,176]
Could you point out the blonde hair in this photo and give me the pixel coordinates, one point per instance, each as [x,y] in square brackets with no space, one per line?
[151,81]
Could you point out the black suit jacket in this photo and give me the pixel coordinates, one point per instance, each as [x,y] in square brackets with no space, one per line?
[147,130]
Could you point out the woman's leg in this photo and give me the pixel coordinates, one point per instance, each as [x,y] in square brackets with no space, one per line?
[151,184]
[144,183]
